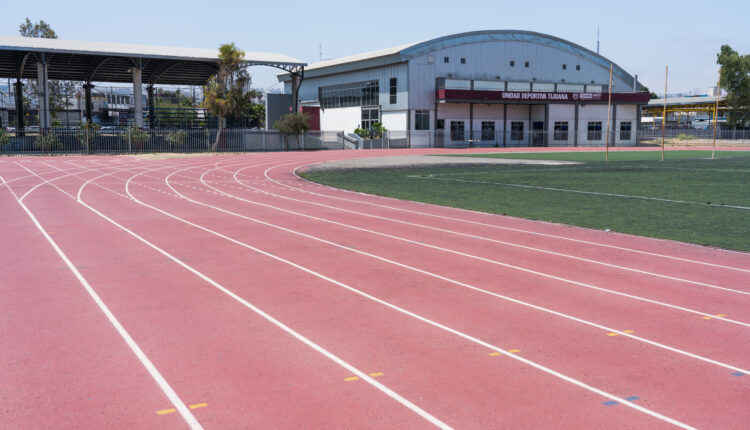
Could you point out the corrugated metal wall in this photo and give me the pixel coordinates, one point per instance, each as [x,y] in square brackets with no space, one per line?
[491,61]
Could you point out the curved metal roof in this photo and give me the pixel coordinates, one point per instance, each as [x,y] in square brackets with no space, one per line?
[111,62]
[405,52]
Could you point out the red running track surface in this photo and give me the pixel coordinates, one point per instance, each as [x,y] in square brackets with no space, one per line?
[224,291]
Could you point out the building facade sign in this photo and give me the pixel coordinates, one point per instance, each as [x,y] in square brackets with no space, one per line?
[484,96]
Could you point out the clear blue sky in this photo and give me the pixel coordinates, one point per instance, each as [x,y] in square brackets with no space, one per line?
[641,36]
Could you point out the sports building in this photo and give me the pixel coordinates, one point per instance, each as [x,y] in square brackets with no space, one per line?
[483,88]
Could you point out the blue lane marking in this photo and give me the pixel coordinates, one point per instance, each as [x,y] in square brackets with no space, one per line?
[610,403]
[737,374]
[631,398]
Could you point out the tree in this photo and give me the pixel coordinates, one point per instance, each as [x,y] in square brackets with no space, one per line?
[58,90]
[293,124]
[227,94]
[735,78]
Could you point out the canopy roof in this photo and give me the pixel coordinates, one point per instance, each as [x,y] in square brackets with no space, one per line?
[112,62]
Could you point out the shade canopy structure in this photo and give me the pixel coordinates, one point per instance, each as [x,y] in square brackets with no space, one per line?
[72,60]
[113,62]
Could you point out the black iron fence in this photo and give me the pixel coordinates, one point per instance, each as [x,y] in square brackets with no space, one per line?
[114,140]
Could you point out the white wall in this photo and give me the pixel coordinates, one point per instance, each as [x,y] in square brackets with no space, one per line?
[346,119]
[394,121]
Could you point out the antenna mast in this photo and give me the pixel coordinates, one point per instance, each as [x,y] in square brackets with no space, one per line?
[597,39]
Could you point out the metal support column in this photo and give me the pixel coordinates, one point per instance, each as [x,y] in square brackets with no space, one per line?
[505,125]
[614,125]
[529,141]
[295,92]
[150,101]
[575,127]
[546,124]
[637,123]
[20,115]
[87,102]
[137,97]
[471,124]
[43,93]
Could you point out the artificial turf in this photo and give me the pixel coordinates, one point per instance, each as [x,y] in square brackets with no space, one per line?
[629,194]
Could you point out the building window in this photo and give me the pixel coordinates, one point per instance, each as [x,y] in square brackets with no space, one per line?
[512,63]
[422,120]
[463,60]
[578,67]
[369,117]
[565,67]
[457,131]
[393,91]
[516,130]
[625,127]
[446,60]
[561,130]
[526,64]
[488,130]
[595,130]
[348,95]
[440,124]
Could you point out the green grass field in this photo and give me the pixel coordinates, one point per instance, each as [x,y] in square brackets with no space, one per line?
[688,197]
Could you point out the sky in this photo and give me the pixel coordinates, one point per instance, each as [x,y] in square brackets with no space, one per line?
[641,36]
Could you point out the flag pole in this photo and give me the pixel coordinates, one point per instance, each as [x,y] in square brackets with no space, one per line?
[609,111]
[664,113]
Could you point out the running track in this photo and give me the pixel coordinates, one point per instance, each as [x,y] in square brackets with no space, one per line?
[226,292]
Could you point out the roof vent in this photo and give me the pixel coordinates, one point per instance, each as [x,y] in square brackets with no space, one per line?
[450,75]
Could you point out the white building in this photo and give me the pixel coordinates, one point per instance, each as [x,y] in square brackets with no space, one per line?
[487,88]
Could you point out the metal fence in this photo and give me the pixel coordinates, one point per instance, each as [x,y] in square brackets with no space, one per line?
[112,140]
[686,135]
[495,139]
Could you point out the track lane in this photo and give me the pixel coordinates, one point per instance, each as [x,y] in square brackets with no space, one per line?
[197,215]
[243,378]
[200,215]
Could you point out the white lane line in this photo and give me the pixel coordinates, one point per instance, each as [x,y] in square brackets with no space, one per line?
[362,375]
[565,190]
[409,313]
[510,266]
[152,370]
[530,248]
[315,185]
[450,280]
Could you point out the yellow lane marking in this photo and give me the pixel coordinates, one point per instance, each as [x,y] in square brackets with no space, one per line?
[709,318]
[494,354]
[356,378]
[166,411]
[513,351]
[198,405]
[617,334]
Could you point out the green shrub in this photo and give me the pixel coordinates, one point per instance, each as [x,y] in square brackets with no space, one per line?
[47,142]
[177,138]
[4,139]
